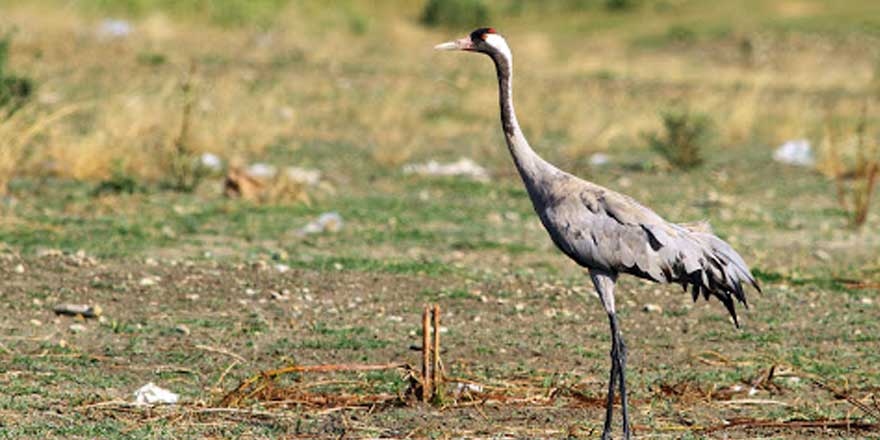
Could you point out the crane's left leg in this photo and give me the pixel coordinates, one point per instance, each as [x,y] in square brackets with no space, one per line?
[618,355]
[604,282]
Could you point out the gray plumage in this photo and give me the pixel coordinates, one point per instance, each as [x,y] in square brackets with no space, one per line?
[605,230]
[610,233]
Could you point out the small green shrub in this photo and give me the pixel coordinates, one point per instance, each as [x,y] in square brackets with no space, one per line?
[620,5]
[119,182]
[679,33]
[455,13]
[685,134]
[15,90]
[152,58]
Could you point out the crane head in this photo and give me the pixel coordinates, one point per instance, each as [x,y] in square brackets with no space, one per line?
[484,40]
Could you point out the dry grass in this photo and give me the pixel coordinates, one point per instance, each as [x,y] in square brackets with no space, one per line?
[302,84]
[16,134]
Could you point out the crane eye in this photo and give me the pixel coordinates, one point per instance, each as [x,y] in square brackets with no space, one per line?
[485,36]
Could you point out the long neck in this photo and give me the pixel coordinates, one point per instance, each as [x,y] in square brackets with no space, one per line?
[531,167]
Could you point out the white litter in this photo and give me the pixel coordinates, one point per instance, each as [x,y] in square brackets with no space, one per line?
[114,28]
[150,394]
[463,167]
[211,162]
[261,170]
[467,387]
[795,152]
[306,176]
[599,159]
[326,222]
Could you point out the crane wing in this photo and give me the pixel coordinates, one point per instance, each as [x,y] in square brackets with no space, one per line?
[607,230]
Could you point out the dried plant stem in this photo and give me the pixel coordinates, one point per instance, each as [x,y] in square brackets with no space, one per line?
[435,375]
[235,396]
[426,355]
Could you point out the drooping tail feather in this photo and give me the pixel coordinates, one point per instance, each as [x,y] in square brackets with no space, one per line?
[692,256]
[721,274]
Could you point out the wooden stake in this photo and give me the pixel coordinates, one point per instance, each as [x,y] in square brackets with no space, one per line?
[426,353]
[435,371]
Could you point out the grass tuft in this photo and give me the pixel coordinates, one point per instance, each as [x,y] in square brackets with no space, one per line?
[456,13]
[685,134]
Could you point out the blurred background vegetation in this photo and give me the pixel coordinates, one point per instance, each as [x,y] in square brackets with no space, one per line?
[128,93]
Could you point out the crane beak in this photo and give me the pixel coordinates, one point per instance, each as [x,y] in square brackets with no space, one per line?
[460,44]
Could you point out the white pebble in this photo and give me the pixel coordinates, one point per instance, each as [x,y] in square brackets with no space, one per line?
[652,308]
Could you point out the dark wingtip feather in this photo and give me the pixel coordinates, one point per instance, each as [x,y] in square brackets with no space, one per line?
[756,286]
[727,300]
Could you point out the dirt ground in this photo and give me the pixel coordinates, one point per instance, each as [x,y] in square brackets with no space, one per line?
[199,327]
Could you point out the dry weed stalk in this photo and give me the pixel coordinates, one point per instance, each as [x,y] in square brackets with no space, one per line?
[854,181]
[867,167]
[257,385]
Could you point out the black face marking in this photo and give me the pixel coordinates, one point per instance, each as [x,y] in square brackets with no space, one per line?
[479,35]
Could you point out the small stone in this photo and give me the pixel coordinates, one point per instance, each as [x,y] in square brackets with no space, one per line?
[395,318]
[48,253]
[182,329]
[867,301]
[19,268]
[337,266]
[282,268]
[77,328]
[250,292]
[278,296]
[148,281]
[62,343]
[80,310]
[192,296]
[652,308]
[151,262]
[36,322]
[519,307]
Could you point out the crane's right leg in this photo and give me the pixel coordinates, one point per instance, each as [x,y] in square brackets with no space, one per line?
[604,283]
